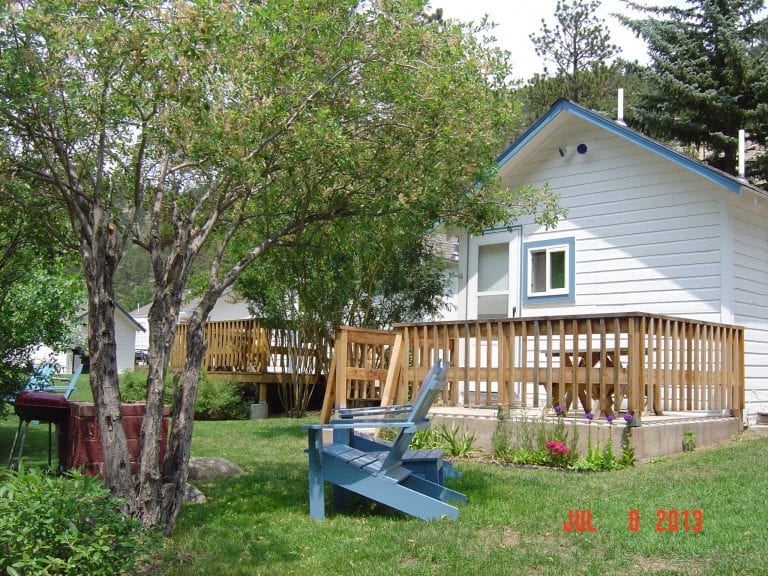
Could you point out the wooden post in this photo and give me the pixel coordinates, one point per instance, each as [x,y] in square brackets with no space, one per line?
[340,357]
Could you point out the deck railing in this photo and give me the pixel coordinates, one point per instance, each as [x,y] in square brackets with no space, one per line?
[249,347]
[637,362]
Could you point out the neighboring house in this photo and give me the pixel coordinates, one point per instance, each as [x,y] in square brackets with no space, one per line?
[228,307]
[126,329]
[648,229]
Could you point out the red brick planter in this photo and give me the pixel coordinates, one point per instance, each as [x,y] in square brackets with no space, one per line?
[80,440]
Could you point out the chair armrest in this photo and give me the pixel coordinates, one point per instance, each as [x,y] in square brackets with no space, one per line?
[373,410]
[352,424]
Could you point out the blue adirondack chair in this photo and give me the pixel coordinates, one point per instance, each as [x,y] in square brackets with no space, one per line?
[429,463]
[380,476]
[38,380]
[68,386]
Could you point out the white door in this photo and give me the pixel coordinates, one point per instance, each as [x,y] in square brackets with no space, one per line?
[493,279]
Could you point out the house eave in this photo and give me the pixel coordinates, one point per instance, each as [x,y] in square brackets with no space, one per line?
[718,177]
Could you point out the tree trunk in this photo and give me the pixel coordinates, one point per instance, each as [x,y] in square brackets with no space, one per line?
[162,318]
[100,262]
[176,465]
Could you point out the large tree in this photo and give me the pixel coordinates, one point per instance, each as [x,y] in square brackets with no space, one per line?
[226,129]
[707,76]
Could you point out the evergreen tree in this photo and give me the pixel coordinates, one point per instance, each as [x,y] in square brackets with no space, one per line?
[579,46]
[707,77]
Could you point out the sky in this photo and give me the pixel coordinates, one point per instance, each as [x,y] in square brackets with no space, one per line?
[517,19]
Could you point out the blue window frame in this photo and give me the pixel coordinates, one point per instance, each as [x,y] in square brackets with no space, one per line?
[549,271]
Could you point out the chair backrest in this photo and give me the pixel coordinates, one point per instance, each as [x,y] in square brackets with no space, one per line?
[433,385]
[434,382]
[69,388]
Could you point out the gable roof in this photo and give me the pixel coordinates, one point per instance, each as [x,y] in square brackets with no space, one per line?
[131,320]
[567,107]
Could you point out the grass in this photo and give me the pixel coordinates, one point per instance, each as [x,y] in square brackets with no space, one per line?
[258,522]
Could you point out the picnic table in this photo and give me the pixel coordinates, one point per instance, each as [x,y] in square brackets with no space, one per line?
[591,359]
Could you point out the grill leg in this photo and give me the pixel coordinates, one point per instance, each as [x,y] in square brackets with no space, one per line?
[23,434]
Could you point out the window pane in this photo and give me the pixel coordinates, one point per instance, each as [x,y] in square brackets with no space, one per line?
[493,268]
[557,269]
[492,306]
[539,271]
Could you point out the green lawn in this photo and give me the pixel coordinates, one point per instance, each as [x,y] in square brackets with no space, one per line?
[258,522]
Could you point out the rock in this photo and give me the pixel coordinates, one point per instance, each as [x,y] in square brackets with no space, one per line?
[209,468]
[193,496]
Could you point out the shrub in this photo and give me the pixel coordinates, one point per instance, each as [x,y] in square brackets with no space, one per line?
[66,525]
[218,400]
[133,387]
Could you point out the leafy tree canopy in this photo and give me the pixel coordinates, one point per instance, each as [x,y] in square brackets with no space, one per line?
[39,296]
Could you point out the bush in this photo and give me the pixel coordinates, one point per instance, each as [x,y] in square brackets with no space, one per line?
[66,525]
[133,387]
[216,400]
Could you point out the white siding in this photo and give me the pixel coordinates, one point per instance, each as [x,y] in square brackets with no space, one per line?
[125,342]
[648,233]
[750,270]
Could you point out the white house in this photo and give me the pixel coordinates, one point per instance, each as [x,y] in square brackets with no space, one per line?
[126,330]
[648,229]
[228,307]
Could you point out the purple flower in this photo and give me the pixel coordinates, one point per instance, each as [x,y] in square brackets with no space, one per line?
[609,418]
[558,409]
[628,417]
[589,416]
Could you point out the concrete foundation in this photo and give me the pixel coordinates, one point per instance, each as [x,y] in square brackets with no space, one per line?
[656,436]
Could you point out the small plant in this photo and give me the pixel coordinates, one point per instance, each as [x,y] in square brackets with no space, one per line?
[689,441]
[66,525]
[559,454]
[456,442]
[627,450]
[423,439]
[501,440]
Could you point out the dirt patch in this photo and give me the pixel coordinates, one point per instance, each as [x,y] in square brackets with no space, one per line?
[510,538]
[656,565]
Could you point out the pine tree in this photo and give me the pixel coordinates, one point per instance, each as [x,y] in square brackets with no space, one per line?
[579,46]
[707,76]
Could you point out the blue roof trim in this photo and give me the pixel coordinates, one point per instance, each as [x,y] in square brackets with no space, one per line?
[719,177]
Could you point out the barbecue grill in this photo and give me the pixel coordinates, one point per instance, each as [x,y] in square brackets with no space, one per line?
[42,406]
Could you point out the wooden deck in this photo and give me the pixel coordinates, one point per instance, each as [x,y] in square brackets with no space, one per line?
[247,351]
[642,363]
[636,362]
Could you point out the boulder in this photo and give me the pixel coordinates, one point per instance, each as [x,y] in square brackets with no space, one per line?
[193,496]
[210,468]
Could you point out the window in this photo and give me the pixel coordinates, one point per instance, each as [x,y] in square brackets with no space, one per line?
[549,273]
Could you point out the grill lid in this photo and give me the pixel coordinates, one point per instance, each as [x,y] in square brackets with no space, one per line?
[46,406]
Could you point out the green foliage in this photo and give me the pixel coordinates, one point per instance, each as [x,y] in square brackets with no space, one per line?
[216,399]
[66,525]
[707,77]
[220,400]
[579,46]
[689,441]
[457,442]
[538,441]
